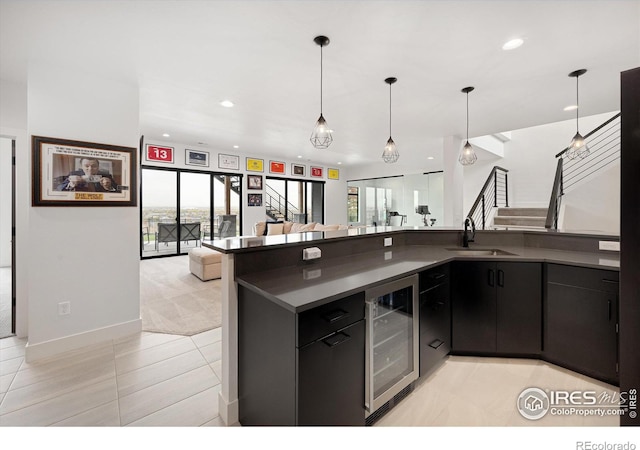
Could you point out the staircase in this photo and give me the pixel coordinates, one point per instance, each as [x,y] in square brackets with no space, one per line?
[520,217]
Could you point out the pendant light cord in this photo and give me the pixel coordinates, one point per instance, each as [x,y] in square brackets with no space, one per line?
[577,103]
[467,117]
[321,79]
[389,110]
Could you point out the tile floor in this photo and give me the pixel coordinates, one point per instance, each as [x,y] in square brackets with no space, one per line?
[150,379]
[155,379]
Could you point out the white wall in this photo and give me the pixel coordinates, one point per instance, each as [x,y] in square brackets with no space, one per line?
[5,202]
[88,256]
[530,159]
[335,193]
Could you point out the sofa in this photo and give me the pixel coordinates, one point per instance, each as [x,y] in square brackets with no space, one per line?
[285,227]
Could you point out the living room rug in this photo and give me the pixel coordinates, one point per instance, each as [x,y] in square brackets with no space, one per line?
[174,301]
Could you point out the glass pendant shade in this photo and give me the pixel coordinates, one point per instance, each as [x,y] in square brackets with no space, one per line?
[321,136]
[467,155]
[390,153]
[578,148]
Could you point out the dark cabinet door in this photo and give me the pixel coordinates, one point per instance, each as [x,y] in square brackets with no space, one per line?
[519,307]
[581,330]
[473,306]
[331,379]
[435,326]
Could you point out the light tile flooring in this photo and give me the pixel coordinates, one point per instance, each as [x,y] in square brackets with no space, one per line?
[150,379]
[156,379]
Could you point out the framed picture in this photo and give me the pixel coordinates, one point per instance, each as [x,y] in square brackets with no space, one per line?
[75,173]
[333,174]
[316,172]
[228,162]
[277,167]
[297,169]
[254,199]
[254,181]
[157,153]
[255,165]
[196,158]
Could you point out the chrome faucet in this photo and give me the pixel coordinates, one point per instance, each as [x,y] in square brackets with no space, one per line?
[468,222]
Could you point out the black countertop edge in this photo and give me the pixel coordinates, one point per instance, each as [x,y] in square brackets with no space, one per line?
[261,243]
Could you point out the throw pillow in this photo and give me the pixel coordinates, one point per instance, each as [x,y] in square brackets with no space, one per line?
[274,228]
[287,227]
[308,227]
[302,227]
[260,228]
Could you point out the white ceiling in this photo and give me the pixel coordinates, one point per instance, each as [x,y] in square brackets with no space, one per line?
[187,56]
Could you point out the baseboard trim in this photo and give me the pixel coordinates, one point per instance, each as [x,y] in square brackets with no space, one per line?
[34,352]
[229,412]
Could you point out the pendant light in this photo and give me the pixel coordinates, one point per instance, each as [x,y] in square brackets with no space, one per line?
[321,137]
[578,148]
[390,153]
[467,154]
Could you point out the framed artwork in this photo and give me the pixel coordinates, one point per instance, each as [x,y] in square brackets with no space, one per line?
[297,169]
[277,167]
[254,199]
[316,172]
[228,162]
[76,173]
[333,174]
[255,165]
[254,182]
[196,158]
[157,153]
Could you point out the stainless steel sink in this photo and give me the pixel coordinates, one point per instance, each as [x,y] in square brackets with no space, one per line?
[479,252]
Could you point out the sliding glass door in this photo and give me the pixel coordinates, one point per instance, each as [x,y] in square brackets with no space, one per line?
[299,201]
[180,208]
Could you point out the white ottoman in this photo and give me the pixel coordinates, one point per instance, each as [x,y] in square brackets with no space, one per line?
[205,263]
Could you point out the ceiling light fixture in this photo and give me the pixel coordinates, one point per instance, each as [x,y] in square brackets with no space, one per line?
[165,135]
[390,153]
[430,157]
[578,148]
[513,44]
[570,108]
[226,103]
[236,146]
[321,137]
[467,154]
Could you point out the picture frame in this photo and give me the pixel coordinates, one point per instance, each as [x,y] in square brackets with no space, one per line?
[229,162]
[159,153]
[254,199]
[277,167]
[333,174]
[316,172]
[196,158]
[78,173]
[254,182]
[298,169]
[255,165]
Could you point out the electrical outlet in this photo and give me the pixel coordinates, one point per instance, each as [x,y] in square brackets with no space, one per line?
[64,308]
[311,253]
[388,256]
[610,245]
[388,242]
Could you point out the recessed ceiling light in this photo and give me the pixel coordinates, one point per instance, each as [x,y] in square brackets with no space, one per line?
[236,146]
[339,162]
[227,103]
[299,156]
[513,43]
[429,157]
[571,108]
[165,135]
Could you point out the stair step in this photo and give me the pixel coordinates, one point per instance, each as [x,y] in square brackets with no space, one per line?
[527,221]
[530,212]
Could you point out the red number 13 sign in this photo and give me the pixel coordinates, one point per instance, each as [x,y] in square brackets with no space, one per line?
[162,154]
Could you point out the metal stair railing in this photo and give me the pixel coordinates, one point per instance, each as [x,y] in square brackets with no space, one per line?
[276,205]
[494,193]
[604,149]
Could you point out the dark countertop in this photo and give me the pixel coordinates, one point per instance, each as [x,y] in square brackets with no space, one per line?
[302,287]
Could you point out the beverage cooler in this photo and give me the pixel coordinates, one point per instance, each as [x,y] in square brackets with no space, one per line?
[392,339]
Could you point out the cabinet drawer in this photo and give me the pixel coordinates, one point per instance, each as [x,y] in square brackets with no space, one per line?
[324,320]
[433,277]
[601,280]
